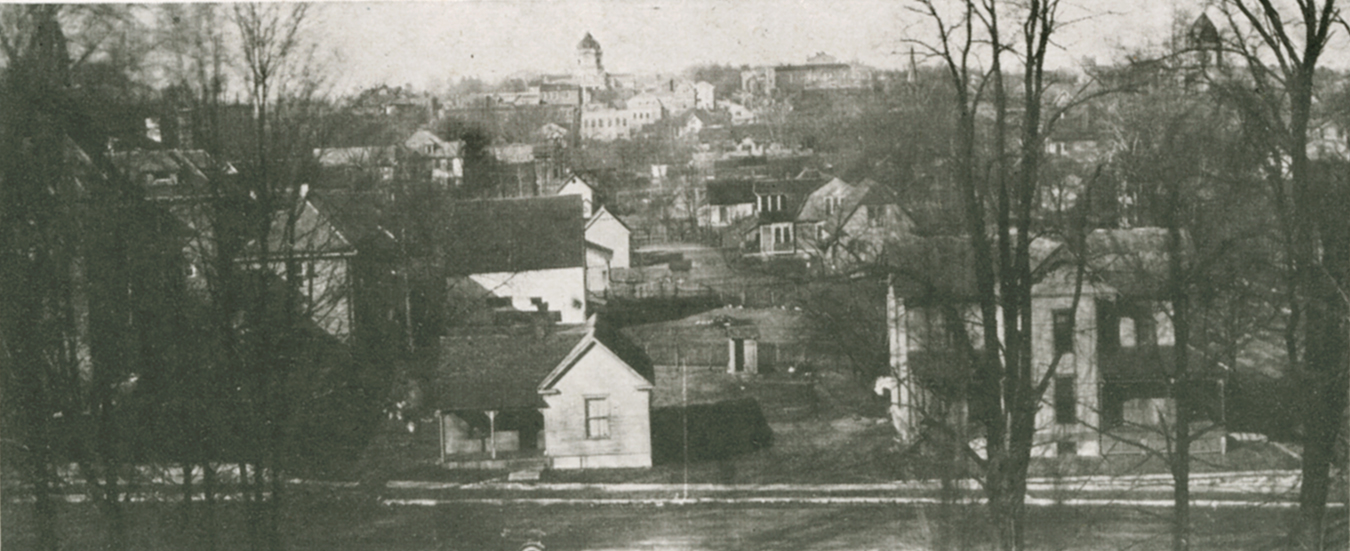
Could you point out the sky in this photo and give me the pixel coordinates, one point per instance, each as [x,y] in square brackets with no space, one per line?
[429,43]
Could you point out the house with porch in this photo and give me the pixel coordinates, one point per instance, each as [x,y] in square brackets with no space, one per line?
[542,396]
[1112,345]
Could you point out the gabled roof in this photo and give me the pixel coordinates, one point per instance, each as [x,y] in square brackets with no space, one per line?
[355,215]
[730,192]
[576,179]
[498,371]
[187,166]
[1132,261]
[602,209]
[423,137]
[355,156]
[315,233]
[816,207]
[514,235]
[610,337]
[588,43]
[507,370]
[1203,33]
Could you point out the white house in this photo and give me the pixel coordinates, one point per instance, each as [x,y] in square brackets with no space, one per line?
[576,185]
[569,398]
[442,159]
[846,224]
[606,229]
[704,96]
[1112,352]
[524,254]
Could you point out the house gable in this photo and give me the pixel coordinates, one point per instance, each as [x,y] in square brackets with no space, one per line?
[577,186]
[606,230]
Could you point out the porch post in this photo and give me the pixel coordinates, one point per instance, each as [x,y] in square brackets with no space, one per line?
[440,424]
[492,432]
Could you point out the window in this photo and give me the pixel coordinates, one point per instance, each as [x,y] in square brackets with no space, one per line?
[1063,329]
[770,203]
[1066,400]
[1145,329]
[1066,447]
[874,214]
[782,235]
[1108,327]
[539,304]
[597,417]
[832,205]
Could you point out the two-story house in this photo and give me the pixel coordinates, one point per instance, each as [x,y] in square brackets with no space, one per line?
[523,254]
[1113,352]
[844,224]
[430,157]
[777,204]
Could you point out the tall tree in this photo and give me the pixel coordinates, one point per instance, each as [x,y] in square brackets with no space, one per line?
[1281,45]
[997,171]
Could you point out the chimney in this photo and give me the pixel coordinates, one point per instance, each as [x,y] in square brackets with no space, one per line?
[184,118]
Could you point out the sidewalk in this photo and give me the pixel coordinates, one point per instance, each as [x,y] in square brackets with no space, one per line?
[1234,489]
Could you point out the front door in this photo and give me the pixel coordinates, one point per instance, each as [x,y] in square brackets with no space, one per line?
[738,355]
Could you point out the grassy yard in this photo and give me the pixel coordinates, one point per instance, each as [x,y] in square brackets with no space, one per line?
[338,522]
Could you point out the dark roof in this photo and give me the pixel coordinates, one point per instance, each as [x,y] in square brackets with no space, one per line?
[932,267]
[588,43]
[187,166]
[812,67]
[515,235]
[878,195]
[799,188]
[506,369]
[1132,261]
[627,350]
[1203,33]
[498,371]
[356,215]
[730,192]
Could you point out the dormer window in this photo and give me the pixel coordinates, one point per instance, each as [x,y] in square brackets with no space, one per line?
[875,214]
[163,178]
[833,205]
[770,203]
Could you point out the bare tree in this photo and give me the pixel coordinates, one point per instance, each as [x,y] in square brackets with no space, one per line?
[999,183]
[1281,45]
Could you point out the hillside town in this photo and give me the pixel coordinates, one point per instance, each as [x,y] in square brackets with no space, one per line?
[759,306]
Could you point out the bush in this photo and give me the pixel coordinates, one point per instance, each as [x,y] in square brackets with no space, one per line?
[718,430]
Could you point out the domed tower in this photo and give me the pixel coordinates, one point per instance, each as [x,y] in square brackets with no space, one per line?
[590,71]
